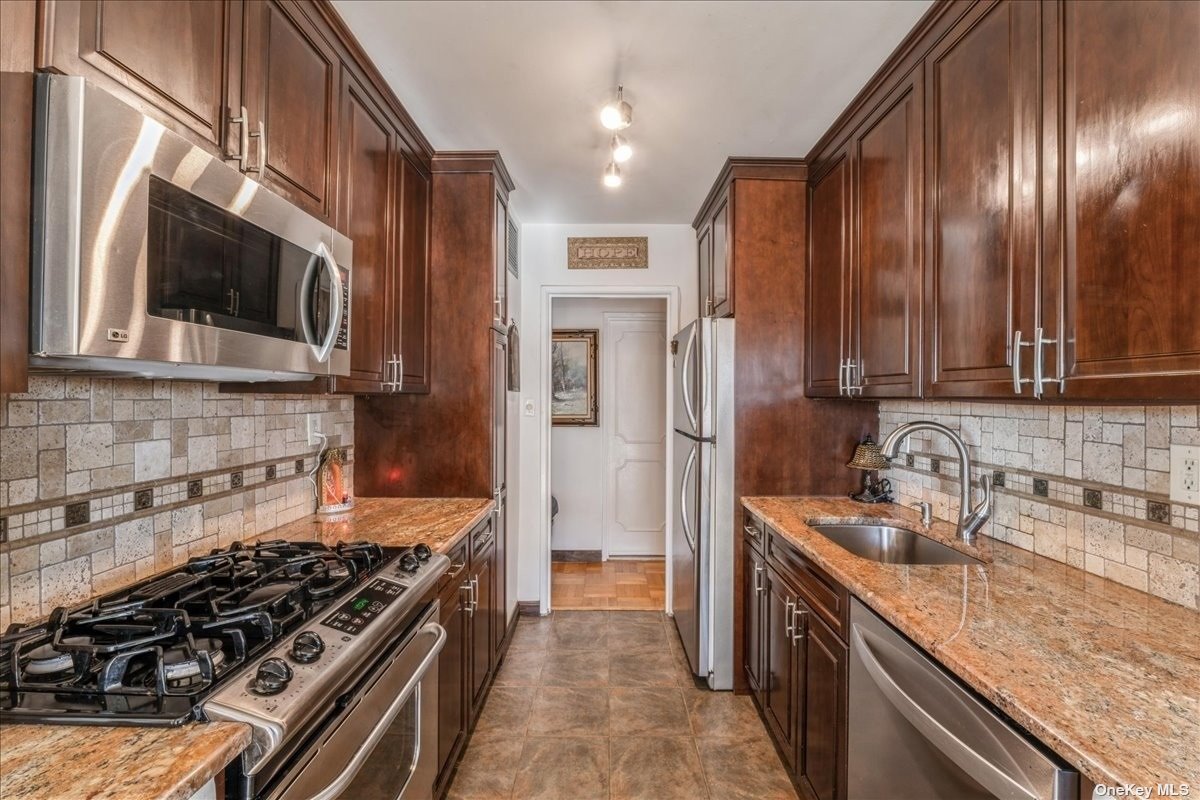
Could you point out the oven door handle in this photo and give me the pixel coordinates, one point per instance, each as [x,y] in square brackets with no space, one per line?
[335,301]
[347,775]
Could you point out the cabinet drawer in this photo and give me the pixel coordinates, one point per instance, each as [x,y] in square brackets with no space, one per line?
[483,539]
[827,597]
[454,576]
[754,529]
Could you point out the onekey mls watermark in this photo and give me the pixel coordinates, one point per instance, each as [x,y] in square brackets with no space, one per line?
[1143,791]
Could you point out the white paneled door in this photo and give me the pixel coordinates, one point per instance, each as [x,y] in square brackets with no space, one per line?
[633,406]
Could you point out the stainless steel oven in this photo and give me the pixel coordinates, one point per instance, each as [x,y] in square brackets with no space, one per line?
[155,257]
[381,744]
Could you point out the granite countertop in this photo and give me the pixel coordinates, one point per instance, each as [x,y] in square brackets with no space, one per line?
[55,762]
[1106,676]
[440,522]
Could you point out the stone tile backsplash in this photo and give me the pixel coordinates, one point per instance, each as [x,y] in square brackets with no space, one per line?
[1085,485]
[103,480]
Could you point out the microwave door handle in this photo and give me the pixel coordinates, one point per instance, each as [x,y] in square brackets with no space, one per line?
[989,775]
[347,775]
[335,300]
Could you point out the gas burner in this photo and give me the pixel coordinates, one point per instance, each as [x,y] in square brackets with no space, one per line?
[150,652]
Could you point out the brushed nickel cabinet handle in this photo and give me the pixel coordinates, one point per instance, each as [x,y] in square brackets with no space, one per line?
[1039,364]
[799,624]
[1018,381]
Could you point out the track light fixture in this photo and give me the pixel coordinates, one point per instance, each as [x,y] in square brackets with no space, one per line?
[612,175]
[617,115]
[621,149]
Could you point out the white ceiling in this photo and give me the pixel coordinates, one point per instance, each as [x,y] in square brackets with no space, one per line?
[706,80]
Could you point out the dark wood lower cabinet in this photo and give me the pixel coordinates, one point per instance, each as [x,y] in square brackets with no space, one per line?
[796,666]
[473,650]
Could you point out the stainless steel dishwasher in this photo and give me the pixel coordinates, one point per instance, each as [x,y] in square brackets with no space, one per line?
[917,734]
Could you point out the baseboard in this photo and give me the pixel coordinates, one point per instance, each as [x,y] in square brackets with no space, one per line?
[575,555]
[528,608]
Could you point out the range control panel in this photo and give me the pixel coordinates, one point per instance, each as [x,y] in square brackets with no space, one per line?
[363,606]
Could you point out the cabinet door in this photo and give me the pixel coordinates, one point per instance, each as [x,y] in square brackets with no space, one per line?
[290,78]
[754,579]
[500,265]
[821,740]
[1130,159]
[483,574]
[452,674]
[828,280]
[704,244]
[414,274]
[165,56]
[366,215]
[887,154]
[982,144]
[722,259]
[500,482]
[780,669]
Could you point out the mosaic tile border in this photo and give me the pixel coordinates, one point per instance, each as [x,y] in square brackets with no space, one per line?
[1116,502]
[45,520]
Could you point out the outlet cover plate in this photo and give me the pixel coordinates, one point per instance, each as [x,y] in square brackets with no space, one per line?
[1185,474]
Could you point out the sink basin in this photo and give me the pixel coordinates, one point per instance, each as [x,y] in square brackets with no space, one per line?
[889,545]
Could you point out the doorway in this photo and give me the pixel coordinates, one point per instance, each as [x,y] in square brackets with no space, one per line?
[608,476]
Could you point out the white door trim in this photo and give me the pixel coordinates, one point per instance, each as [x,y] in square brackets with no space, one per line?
[549,294]
[607,386]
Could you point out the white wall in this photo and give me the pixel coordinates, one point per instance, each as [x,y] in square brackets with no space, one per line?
[672,256]
[513,444]
[578,467]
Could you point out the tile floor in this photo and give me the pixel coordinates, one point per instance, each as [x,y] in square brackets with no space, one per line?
[612,584]
[599,704]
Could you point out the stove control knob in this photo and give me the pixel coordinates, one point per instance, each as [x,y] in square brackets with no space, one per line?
[410,563]
[307,647]
[272,677]
[423,552]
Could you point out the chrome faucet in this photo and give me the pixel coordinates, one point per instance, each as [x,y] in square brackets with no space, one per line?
[970,520]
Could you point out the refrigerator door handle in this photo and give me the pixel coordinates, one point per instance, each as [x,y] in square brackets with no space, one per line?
[683,508]
[686,375]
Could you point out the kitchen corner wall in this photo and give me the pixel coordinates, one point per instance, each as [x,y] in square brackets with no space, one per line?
[106,480]
[1085,485]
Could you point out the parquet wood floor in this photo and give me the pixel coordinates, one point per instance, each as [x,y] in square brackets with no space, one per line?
[613,584]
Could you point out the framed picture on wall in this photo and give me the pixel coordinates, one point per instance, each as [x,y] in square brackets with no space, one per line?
[573,356]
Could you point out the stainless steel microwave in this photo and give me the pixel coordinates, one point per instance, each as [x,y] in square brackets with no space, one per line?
[153,256]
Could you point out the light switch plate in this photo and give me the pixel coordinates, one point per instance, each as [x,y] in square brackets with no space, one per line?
[1185,474]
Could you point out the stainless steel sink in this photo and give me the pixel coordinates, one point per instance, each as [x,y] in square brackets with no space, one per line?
[889,545]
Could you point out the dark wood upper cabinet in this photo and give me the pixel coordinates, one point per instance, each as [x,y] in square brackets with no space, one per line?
[500,264]
[886,156]
[414,344]
[18,23]
[290,89]
[704,259]
[827,340]
[1124,276]
[166,55]
[982,144]
[722,260]
[366,212]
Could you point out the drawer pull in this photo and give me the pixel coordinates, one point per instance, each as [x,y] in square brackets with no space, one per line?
[752,531]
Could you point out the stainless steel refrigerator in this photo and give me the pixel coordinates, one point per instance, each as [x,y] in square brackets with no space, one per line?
[702,534]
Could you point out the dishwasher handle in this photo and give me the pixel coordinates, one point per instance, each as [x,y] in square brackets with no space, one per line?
[984,772]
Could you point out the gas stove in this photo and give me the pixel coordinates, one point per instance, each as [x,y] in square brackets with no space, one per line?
[151,653]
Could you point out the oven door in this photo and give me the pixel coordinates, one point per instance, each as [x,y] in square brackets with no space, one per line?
[383,745]
[154,257]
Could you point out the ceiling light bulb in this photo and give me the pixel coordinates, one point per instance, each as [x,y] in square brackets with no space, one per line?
[612,175]
[618,114]
[621,149]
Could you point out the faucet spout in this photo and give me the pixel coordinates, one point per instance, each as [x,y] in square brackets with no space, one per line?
[970,519]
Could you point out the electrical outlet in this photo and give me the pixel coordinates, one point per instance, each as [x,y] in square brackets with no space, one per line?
[312,424]
[1185,473]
